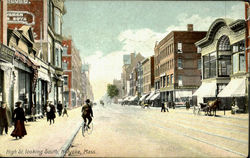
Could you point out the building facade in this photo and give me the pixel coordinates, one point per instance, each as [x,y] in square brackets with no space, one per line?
[44,18]
[129,61]
[72,73]
[177,68]
[224,64]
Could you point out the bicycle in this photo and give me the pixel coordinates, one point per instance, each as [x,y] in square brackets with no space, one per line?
[86,129]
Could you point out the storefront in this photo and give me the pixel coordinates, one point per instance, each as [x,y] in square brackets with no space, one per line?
[26,74]
[6,74]
[223,59]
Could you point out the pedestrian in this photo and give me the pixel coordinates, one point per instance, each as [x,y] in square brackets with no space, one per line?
[167,106]
[163,108]
[187,105]
[51,113]
[173,104]
[19,118]
[59,108]
[47,110]
[65,111]
[3,118]
[33,112]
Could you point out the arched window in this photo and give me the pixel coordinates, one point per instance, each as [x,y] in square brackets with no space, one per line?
[224,43]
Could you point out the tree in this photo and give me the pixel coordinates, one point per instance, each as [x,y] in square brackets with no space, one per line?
[112,91]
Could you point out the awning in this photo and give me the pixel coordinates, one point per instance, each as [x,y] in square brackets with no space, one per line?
[43,76]
[206,90]
[155,96]
[183,93]
[143,97]
[235,88]
[133,98]
[150,95]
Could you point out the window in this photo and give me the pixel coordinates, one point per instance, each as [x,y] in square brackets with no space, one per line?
[171,79]
[235,63]
[239,47]
[58,56]
[49,12]
[179,47]
[57,22]
[199,64]
[242,62]
[164,81]
[235,49]
[224,43]
[224,66]
[50,49]
[167,80]
[179,64]
[65,65]
[198,49]
[180,80]
[65,50]
[209,65]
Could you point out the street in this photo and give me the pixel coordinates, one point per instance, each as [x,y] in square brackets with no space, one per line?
[125,131]
[121,131]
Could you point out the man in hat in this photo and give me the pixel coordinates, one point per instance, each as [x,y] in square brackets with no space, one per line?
[87,113]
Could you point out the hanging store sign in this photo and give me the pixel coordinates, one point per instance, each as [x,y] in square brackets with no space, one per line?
[6,53]
[20,17]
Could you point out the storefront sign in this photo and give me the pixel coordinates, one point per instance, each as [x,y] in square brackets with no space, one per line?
[18,1]
[6,53]
[20,17]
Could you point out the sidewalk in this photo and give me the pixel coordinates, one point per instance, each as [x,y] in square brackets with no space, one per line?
[42,139]
[219,113]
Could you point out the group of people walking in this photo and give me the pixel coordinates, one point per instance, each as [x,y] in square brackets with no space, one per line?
[18,117]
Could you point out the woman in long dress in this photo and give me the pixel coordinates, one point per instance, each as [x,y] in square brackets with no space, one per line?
[19,118]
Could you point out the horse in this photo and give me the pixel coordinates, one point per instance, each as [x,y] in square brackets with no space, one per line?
[212,106]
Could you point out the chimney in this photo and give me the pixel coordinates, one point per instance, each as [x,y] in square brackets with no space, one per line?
[190,27]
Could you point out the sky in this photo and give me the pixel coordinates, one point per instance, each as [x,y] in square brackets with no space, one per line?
[104,31]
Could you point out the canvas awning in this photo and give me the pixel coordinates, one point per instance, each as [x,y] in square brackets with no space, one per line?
[150,95]
[133,98]
[143,97]
[235,88]
[183,93]
[206,90]
[155,96]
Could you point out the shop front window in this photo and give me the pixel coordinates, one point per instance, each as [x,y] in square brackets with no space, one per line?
[224,66]
[209,67]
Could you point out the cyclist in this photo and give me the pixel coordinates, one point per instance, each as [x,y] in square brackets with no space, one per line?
[87,113]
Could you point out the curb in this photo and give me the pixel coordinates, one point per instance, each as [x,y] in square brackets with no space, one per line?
[63,150]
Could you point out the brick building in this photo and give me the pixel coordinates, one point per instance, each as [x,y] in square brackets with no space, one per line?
[45,19]
[178,64]
[72,74]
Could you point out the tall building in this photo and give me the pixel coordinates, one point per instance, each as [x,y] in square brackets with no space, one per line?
[72,73]
[178,65]
[224,66]
[42,21]
[130,61]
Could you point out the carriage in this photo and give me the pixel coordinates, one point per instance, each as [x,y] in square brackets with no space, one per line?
[207,107]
